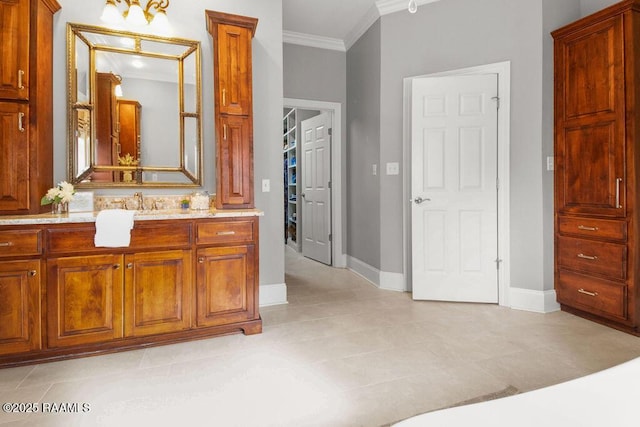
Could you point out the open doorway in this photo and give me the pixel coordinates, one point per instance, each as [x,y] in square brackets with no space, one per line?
[296,112]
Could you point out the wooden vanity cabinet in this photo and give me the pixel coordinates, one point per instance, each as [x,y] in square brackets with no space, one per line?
[226,274]
[597,140]
[178,280]
[233,94]
[20,275]
[157,292]
[26,104]
[84,299]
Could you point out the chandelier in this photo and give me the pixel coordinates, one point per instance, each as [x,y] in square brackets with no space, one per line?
[135,15]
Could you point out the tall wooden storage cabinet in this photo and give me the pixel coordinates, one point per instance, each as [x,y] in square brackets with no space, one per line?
[26,107]
[597,154]
[232,81]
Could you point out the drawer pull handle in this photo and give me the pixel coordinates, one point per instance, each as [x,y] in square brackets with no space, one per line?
[591,294]
[201,260]
[584,227]
[226,233]
[583,256]
[32,273]
[224,98]
[5,244]
[20,77]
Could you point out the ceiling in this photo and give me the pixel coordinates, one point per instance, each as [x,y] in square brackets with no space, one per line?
[334,24]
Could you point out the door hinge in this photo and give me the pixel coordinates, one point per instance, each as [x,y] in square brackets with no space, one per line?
[498,184]
[329,185]
[331,237]
[497,99]
[330,131]
[498,261]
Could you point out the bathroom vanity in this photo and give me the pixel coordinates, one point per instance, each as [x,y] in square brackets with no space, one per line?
[184,276]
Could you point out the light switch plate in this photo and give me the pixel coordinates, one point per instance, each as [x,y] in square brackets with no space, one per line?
[266,185]
[393,168]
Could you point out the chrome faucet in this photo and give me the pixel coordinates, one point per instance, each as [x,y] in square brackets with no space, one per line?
[140,199]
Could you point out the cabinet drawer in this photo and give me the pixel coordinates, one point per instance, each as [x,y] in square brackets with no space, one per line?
[591,294]
[143,236]
[590,256]
[593,228]
[225,232]
[20,242]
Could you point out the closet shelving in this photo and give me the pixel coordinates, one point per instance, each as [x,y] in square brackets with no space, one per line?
[290,164]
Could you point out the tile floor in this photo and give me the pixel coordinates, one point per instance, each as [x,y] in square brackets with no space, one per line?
[341,353]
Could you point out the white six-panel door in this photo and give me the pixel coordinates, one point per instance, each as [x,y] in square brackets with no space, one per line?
[316,195]
[454,188]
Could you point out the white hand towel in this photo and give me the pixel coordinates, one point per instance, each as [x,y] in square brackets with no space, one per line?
[113,228]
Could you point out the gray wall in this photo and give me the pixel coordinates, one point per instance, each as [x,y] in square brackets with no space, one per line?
[188,21]
[319,75]
[455,34]
[588,7]
[363,121]
[555,14]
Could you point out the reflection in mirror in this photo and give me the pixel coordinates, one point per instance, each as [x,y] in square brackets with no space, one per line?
[134,108]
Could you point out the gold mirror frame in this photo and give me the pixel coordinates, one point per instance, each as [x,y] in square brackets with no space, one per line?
[82,143]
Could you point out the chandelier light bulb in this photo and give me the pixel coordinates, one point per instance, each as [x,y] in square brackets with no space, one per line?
[111,14]
[135,17]
[413,6]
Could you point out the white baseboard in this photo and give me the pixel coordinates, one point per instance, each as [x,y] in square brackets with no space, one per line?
[392,281]
[273,294]
[536,301]
[381,279]
[363,269]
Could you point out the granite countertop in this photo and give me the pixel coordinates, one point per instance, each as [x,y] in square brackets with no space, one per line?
[146,215]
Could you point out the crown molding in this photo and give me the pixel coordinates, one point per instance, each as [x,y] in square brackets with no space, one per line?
[380,8]
[311,40]
[362,26]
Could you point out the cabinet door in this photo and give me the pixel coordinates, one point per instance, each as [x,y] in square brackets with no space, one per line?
[19,306]
[157,292]
[14,38]
[225,285]
[14,156]
[235,162]
[590,120]
[234,69]
[84,299]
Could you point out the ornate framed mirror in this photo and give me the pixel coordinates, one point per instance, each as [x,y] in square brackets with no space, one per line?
[134,109]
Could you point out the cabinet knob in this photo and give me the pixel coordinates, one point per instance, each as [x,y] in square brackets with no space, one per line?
[32,273]
[130,265]
[116,266]
[201,260]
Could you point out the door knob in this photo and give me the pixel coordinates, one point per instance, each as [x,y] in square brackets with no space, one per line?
[420,200]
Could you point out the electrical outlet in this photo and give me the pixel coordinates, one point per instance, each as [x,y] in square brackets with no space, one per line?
[266,185]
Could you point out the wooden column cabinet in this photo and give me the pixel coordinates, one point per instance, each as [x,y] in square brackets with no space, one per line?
[597,156]
[26,104]
[232,80]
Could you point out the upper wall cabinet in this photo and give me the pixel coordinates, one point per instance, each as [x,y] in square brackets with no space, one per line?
[232,80]
[26,104]
[14,38]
